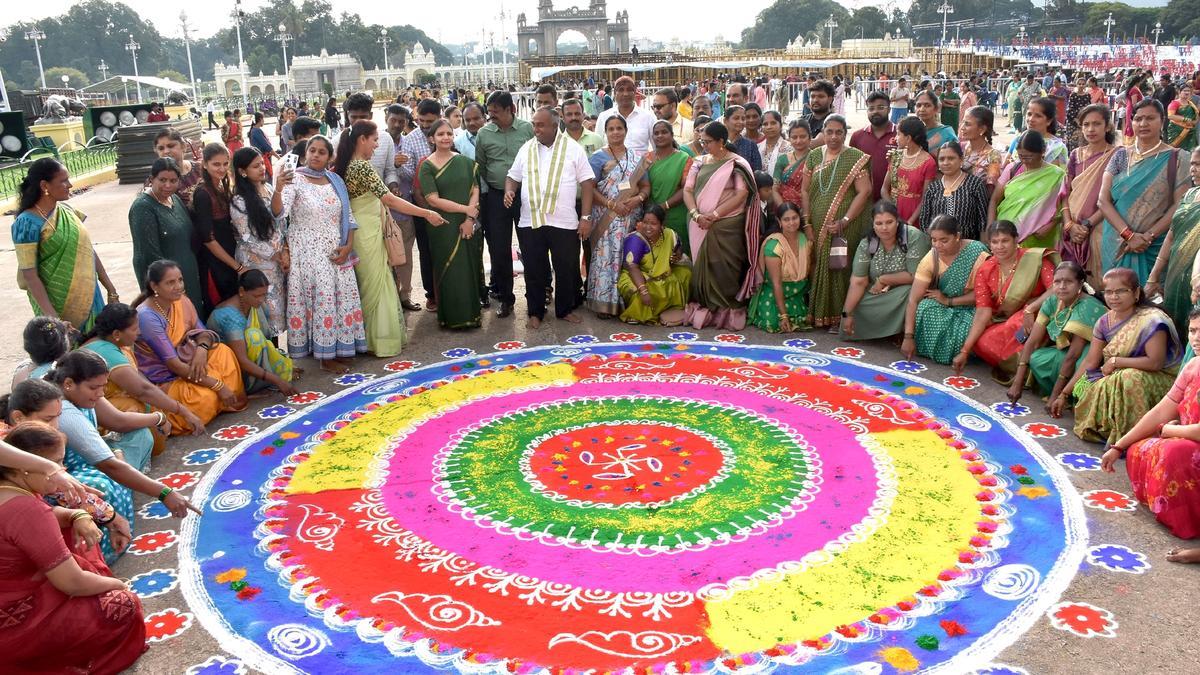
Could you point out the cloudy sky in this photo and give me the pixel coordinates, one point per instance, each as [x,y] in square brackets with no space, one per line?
[661,20]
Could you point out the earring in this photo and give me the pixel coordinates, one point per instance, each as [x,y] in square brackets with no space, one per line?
[45,192]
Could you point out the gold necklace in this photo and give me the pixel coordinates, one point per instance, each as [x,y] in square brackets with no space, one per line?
[14,488]
[1003,278]
[1139,154]
[1065,313]
[948,190]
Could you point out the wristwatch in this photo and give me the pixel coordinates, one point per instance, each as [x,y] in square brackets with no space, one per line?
[587,217]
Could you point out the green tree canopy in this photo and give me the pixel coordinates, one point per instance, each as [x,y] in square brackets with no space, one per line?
[174,76]
[76,78]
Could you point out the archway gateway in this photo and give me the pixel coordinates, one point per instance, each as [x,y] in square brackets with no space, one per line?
[602,37]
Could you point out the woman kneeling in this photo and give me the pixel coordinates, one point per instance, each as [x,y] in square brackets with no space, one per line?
[780,305]
[653,283]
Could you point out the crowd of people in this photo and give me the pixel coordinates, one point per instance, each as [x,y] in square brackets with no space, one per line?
[1066,264]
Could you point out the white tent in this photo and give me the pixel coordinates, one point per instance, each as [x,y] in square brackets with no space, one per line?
[118,83]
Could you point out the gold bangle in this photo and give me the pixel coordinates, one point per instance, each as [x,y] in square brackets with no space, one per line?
[218,386]
[80,515]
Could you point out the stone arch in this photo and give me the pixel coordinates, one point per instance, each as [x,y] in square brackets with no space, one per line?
[570,31]
[270,90]
[383,83]
[370,85]
[255,90]
[603,37]
[232,88]
[533,47]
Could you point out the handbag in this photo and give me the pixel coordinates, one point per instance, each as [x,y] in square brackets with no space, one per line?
[839,253]
[393,239]
[186,349]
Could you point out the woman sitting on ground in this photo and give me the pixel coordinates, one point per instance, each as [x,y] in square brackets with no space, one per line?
[77,617]
[941,302]
[1132,363]
[1160,455]
[243,325]
[781,303]
[1009,290]
[180,356]
[1059,340]
[45,340]
[116,332]
[653,282]
[882,275]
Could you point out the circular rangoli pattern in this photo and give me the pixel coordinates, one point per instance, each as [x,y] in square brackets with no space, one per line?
[664,507]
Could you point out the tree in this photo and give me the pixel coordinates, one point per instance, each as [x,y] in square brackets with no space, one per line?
[1128,19]
[785,19]
[1181,19]
[174,76]
[75,77]
[869,22]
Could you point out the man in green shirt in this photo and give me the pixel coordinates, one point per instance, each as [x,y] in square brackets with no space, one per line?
[572,111]
[496,147]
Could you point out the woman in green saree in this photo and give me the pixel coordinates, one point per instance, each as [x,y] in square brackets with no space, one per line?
[941,302]
[1060,338]
[1143,185]
[653,282]
[1028,193]
[1179,254]
[668,166]
[780,305]
[1182,115]
[835,194]
[1132,362]
[58,267]
[723,231]
[882,274]
[244,326]
[448,182]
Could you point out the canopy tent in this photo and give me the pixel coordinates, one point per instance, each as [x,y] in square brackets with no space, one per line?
[798,64]
[117,83]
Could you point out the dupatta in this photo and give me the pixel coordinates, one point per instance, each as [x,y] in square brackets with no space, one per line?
[1025,279]
[793,264]
[1031,198]
[710,184]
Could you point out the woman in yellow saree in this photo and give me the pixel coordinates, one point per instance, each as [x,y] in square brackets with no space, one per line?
[178,354]
[57,266]
[653,283]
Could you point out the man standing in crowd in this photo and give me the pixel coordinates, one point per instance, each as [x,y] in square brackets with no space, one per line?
[212,112]
[735,94]
[899,100]
[546,174]
[639,121]
[572,115]
[666,107]
[474,117]
[416,147]
[820,103]
[877,139]
[303,128]
[396,120]
[495,149]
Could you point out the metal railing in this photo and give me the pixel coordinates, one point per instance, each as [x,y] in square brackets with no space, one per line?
[81,162]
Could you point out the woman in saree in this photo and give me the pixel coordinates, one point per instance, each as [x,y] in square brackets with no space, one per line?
[621,189]
[1133,96]
[773,145]
[214,228]
[244,327]
[834,198]
[941,302]
[884,264]
[448,181]
[1078,99]
[735,122]
[1178,256]
[179,355]
[911,168]
[789,167]
[781,303]
[723,231]
[1028,195]
[370,200]
[1182,116]
[116,469]
[654,282]
[1161,453]
[1085,171]
[57,266]
[1010,288]
[161,228]
[1143,184]
[695,148]
[260,237]
[956,192]
[113,337]
[980,158]
[929,110]
[1040,119]
[76,617]
[668,167]
[1060,338]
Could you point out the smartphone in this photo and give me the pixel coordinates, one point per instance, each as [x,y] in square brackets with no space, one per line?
[289,162]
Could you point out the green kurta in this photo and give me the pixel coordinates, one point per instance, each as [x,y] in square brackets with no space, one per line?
[882,315]
[161,233]
[456,260]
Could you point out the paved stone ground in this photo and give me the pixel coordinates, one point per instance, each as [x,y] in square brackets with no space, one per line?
[1153,612]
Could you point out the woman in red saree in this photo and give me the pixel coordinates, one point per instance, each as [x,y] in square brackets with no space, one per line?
[62,612]
[789,168]
[1009,290]
[1163,457]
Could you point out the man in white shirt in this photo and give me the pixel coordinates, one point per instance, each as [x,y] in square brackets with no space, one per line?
[550,170]
[666,107]
[899,100]
[638,121]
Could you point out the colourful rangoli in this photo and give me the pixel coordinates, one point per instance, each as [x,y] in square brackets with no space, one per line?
[665,507]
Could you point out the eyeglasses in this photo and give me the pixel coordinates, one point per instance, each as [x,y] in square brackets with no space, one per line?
[1116,292]
[658,106]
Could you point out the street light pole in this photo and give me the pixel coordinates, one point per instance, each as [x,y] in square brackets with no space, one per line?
[37,35]
[188,43]
[504,39]
[945,9]
[103,68]
[133,47]
[283,38]
[1108,24]
[831,24]
[241,61]
[1158,29]
[383,40]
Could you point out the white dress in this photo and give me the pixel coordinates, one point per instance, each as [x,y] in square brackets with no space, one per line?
[258,254]
[323,308]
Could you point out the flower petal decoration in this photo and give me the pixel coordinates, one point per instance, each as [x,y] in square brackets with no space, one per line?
[1041,430]
[848,352]
[799,343]
[306,397]
[1109,500]
[624,337]
[152,542]
[730,337]
[1008,409]
[582,339]
[154,583]
[274,412]
[1116,558]
[1083,619]
[167,624]
[508,345]
[683,336]
[960,382]
[1079,461]
[235,432]
[911,367]
[218,665]
[398,366]
[202,456]
[458,352]
[155,510]
[352,378]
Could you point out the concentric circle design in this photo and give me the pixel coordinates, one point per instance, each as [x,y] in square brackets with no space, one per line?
[675,507]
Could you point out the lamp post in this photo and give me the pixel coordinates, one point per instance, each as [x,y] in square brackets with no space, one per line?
[187,41]
[103,68]
[383,40]
[945,9]
[237,4]
[504,38]
[830,24]
[37,35]
[1108,24]
[283,38]
[132,47]
[1021,34]
[1158,29]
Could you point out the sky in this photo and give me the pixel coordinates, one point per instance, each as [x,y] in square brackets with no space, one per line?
[660,20]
